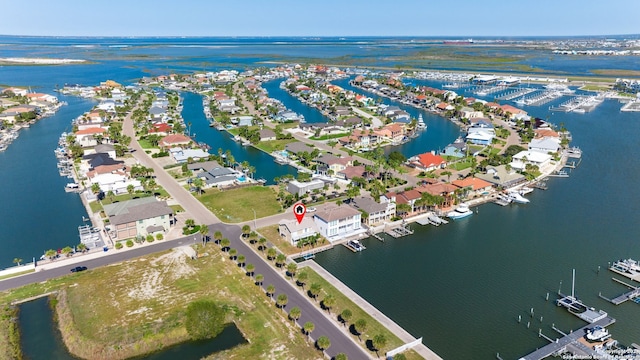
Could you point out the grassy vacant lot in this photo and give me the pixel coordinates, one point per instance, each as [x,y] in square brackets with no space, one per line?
[342,302]
[273,145]
[461,165]
[272,234]
[236,205]
[143,308]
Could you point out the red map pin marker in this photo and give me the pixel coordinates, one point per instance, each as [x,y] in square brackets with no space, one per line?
[299,210]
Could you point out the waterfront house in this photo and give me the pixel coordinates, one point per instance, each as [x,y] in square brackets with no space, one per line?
[108,149]
[359,139]
[298,147]
[206,166]
[455,149]
[293,231]
[514,111]
[160,129]
[546,133]
[546,145]
[181,155]
[373,212]
[481,133]
[139,217]
[302,188]
[174,140]
[444,190]
[338,222]
[473,186]
[535,158]
[469,113]
[428,162]
[114,181]
[501,177]
[393,132]
[267,135]
[243,120]
[16,91]
[88,137]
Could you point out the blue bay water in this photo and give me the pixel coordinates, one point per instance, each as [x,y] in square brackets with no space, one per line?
[461,286]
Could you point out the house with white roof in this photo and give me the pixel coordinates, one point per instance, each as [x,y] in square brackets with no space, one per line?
[524,158]
[545,145]
[181,155]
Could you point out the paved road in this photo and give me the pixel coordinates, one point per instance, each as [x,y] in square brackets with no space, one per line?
[323,326]
[112,257]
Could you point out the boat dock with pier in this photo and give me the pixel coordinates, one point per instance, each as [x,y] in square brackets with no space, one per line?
[633,294]
[399,231]
[571,342]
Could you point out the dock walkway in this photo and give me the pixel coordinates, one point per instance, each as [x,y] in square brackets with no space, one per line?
[396,329]
[632,295]
[570,340]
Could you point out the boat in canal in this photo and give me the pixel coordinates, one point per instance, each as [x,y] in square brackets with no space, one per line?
[517,197]
[597,333]
[355,245]
[421,125]
[462,211]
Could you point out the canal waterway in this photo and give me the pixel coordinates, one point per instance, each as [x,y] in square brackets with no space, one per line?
[461,286]
[41,339]
[311,114]
[193,112]
[37,214]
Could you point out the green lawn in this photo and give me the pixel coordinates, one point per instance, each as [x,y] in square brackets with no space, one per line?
[273,145]
[146,144]
[461,165]
[237,205]
[327,137]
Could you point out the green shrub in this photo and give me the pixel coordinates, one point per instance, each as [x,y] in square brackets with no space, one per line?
[204,319]
[118,245]
[150,238]
[159,237]
[129,243]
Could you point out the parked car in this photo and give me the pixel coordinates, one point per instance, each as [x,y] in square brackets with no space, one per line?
[311,209]
[79,268]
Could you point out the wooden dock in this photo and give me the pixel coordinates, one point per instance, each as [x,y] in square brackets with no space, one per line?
[399,231]
[569,341]
[633,294]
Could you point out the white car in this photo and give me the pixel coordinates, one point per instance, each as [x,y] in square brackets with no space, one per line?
[311,209]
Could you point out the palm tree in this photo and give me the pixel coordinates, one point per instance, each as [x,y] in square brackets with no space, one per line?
[110,195]
[282,300]
[95,188]
[217,236]
[66,251]
[341,356]
[270,290]
[302,278]
[323,343]
[291,269]
[328,301]
[224,243]
[379,341]
[81,247]
[204,231]
[271,253]
[250,269]
[314,289]
[259,278]
[246,229]
[198,183]
[17,261]
[233,253]
[130,189]
[346,315]
[295,314]
[241,260]
[448,174]
[253,236]
[360,326]
[308,328]
[280,260]
[261,243]
[51,254]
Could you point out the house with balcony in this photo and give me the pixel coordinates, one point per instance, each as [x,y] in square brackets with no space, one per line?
[139,217]
[375,212]
[337,222]
[293,231]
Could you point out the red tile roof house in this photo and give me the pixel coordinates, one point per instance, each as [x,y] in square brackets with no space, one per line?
[473,186]
[429,162]
[439,189]
[87,137]
[163,129]
[174,140]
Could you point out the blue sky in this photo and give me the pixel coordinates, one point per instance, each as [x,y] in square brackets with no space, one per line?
[320,18]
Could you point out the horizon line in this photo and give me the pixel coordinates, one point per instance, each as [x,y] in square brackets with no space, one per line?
[316,36]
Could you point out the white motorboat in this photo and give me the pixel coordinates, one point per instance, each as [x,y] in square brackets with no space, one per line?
[355,245]
[525,190]
[462,211]
[516,197]
[597,333]
[421,125]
